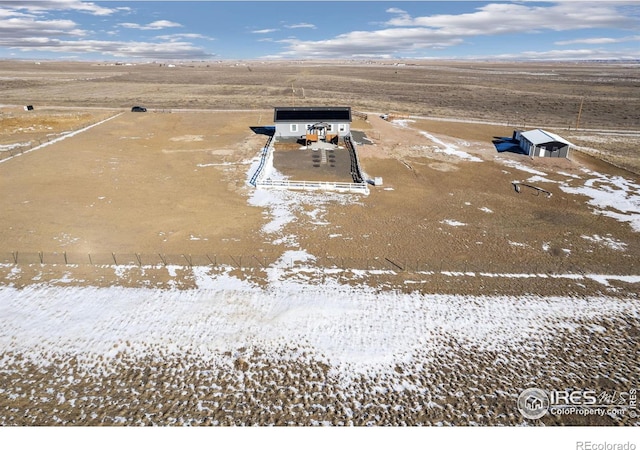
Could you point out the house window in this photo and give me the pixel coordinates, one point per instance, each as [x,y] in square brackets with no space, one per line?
[294,127]
[342,127]
[330,128]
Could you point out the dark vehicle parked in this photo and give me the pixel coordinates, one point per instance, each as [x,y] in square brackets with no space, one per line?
[138,109]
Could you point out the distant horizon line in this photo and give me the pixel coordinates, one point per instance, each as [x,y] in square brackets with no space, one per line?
[394,61]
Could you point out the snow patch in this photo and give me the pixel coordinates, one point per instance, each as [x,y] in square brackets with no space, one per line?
[453,223]
[450,149]
[611,196]
[402,123]
[520,166]
[337,322]
[606,241]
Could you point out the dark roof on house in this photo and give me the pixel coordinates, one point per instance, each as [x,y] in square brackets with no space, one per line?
[312,114]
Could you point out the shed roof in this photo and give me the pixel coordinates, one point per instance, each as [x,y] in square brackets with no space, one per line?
[312,114]
[538,136]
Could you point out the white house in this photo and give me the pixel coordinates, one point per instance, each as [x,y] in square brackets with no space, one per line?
[298,122]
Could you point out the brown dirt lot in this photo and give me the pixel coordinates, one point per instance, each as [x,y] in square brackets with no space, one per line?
[406,223]
[135,200]
[309,165]
[153,182]
[175,183]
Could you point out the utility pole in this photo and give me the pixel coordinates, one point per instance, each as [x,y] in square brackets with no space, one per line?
[579,113]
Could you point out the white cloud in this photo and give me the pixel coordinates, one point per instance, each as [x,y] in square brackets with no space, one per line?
[4,13]
[404,35]
[401,15]
[157,25]
[180,36]
[599,41]
[301,25]
[18,27]
[25,27]
[573,54]
[371,43]
[499,18]
[119,49]
[58,5]
[265,31]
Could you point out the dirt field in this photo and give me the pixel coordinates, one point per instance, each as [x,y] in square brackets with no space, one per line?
[523,95]
[135,184]
[94,195]
[176,183]
[332,164]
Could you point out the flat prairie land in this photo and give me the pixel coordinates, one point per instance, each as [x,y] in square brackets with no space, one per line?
[162,266]
[563,96]
[523,94]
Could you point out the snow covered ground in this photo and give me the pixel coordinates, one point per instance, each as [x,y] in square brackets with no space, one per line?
[344,328]
[613,196]
[314,352]
[308,346]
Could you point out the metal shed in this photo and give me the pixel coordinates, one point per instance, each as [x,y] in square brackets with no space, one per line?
[542,143]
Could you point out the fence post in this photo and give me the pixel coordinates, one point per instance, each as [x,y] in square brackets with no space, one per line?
[90,261]
[188,260]
[259,262]
[15,257]
[41,257]
[114,258]
[164,261]
[65,257]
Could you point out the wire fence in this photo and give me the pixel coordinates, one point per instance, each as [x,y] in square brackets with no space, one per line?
[16,149]
[521,268]
[11,150]
[265,160]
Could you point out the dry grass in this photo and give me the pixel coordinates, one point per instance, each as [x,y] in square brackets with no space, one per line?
[525,94]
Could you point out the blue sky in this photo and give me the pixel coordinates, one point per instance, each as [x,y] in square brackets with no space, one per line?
[212,30]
